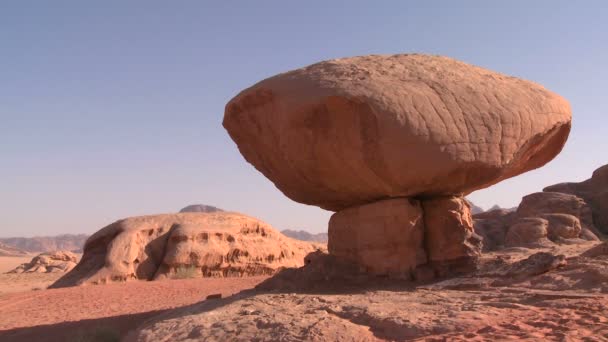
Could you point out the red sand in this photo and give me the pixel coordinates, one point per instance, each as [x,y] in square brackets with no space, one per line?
[69,313]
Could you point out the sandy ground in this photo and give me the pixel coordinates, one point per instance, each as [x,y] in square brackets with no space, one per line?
[9,263]
[10,283]
[72,314]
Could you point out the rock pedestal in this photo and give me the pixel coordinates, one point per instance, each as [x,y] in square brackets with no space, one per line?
[385,237]
[394,237]
[450,240]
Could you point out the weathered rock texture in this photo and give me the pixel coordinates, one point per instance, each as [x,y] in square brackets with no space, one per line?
[49,262]
[542,218]
[385,237]
[350,131]
[594,192]
[450,239]
[492,226]
[218,244]
[365,136]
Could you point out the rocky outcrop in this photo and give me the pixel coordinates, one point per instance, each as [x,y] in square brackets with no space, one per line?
[520,296]
[65,242]
[219,244]
[357,135]
[541,219]
[50,262]
[528,232]
[492,226]
[200,208]
[305,236]
[594,192]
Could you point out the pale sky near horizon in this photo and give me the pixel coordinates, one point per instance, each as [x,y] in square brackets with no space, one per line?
[111,109]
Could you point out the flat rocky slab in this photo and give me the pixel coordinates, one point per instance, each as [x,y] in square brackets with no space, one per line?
[555,295]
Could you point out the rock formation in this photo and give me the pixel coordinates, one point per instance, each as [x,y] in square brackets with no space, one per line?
[218,244]
[594,192]
[49,262]
[200,208]
[569,213]
[392,144]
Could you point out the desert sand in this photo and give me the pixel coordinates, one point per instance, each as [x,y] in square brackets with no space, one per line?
[88,312]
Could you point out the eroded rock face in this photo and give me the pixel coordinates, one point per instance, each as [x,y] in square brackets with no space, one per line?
[492,226]
[528,232]
[450,239]
[385,237]
[49,262]
[593,191]
[215,244]
[566,218]
[351,131]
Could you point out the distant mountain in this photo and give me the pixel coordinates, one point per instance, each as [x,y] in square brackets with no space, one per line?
[304,235]
[200,208]
[39,244]
[475,209]
[10,251]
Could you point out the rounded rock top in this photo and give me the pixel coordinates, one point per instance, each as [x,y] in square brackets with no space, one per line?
[350,131]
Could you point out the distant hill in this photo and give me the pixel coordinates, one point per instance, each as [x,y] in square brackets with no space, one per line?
[475,209]
[39,244]
[10,251]
[304,235]
[200,208]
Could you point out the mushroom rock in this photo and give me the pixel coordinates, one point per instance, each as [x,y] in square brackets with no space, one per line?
[346,133]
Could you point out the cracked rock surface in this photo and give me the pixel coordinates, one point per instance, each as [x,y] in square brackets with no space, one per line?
[351,131]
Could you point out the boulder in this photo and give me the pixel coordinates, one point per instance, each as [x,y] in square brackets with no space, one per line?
[384,237]
[492,226]
[450,240]
[351,131]
[593,191]
[218,244]
[49,262]
[528,232]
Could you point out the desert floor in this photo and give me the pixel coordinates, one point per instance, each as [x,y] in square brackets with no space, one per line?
[509,298]
[10,283]
[89,313]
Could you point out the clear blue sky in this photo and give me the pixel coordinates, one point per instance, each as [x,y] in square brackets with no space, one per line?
[111,109]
